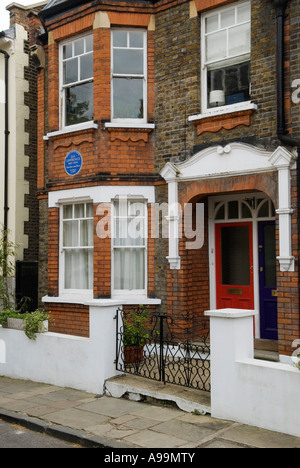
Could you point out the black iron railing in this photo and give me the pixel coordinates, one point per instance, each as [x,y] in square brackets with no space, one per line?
[167,348]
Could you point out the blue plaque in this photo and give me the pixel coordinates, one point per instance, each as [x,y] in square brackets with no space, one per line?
[73,163]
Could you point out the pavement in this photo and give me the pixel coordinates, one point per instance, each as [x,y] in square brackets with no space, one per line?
[102,421]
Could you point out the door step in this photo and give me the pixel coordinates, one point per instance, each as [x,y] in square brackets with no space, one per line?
[138,389]
[266,350]
[266,355]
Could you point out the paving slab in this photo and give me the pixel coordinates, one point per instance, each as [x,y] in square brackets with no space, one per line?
[110,407]
[261,438]
[75,418]
[149,439]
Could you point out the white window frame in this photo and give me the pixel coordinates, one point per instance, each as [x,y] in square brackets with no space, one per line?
[63,292]
[62,87]
[129,293]
[144,77]
[234,60]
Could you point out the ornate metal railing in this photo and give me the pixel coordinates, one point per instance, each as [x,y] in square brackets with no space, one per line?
[167,348]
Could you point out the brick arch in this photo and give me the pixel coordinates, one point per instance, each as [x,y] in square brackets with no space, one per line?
[263,182]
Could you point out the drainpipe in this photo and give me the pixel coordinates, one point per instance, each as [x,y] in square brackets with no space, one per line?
[282,132]
[6,134]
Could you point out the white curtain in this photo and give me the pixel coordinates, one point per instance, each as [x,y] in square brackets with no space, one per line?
[129,245]
[78,252]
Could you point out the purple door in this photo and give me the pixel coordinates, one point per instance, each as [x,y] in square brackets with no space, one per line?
[267,280]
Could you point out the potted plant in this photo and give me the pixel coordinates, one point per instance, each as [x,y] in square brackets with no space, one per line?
[135,333]
[31,323]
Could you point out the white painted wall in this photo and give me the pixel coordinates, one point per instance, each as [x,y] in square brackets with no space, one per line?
[64,360]
[259,393]
[18,138]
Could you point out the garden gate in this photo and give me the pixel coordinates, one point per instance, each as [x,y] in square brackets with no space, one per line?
[166,348]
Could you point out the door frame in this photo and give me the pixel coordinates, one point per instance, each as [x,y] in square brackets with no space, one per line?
[240,197]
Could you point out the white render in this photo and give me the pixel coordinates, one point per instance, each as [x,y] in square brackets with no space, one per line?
[18,138]
[64,360]
[249,391]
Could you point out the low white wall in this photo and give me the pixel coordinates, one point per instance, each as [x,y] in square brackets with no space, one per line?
[64,360]
[259,393]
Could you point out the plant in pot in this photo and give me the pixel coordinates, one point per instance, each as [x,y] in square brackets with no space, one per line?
[135,333]
[31,322]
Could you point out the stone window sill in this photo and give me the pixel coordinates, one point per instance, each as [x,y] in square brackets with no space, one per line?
[129,131]
[223,118]
[71,130]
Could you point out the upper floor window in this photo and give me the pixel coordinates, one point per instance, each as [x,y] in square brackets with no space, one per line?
[226,48]
[76,78]
[129,75]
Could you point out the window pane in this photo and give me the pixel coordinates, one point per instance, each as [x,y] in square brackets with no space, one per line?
[246,212]
[264,210]
[136,39]
[234,80]
[79,104]
[128,98]
[86,66]
[70,234]
[233,210]
[235,256]
[68,211]
[239,40]
[129,269]
[228,18]
[79,269]
[243,13]
[71,71]
[120,38]
[128,62]
[89,45]
[68,51]
[216,46]
[89,210]
[221,212]
[212,23]
[79,211]
[79,47]
[86,233]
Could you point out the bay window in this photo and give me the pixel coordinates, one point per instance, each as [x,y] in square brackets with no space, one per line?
[226,47]
[129,245]
[129,75]
[76,81]
[77,227]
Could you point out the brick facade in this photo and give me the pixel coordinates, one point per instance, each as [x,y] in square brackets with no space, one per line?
[116,157]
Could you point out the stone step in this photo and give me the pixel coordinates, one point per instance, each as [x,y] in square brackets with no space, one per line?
[138,388]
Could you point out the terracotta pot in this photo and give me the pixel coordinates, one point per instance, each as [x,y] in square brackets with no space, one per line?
[133,354]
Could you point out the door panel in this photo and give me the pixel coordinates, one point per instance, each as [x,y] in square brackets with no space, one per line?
[267,280]
[234,266]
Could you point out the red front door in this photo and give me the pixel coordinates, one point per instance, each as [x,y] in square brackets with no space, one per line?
[234,266]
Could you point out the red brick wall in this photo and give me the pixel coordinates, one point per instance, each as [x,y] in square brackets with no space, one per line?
[70,319]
